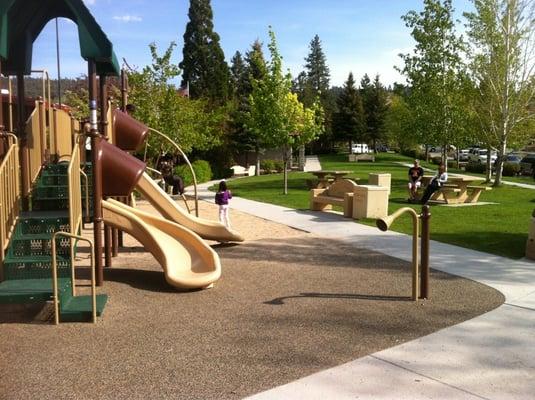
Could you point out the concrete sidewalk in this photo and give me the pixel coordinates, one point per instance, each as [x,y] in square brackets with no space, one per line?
[490,357]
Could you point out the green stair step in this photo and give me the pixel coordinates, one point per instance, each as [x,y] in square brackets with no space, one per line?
[31,290]
[35,267]
[37,244]
[79,308]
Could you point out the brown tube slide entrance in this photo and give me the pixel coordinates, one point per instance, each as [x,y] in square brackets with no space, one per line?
[129,133]
[120,171]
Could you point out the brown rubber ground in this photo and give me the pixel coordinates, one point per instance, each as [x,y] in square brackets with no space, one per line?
[289,304]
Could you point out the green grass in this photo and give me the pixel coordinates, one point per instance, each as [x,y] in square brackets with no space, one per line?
[498,229]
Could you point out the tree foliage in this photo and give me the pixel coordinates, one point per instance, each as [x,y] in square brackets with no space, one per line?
[204,66]
[191,123]
[435,73]
[375,102]
[276,117]
[502,35]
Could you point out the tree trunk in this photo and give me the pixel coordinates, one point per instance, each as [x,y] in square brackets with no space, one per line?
[499,163]
[257,155]
[488,173]
[350,142]
[285,162]
[427,152]
[374,146]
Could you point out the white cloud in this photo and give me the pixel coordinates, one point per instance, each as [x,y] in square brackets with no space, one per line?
[128,18]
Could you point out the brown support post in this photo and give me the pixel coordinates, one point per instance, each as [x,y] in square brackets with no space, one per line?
[23,143]
[426,235]
[103,125]
[97,170]
[1,98]
[118,234]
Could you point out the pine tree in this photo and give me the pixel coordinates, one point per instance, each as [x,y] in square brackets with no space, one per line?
[203,64]
[254,68]
[316,86]
[316,68]
[238,72]
[374,99]
[349,120]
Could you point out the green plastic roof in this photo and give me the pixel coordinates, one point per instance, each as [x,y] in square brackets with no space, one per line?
[21,21]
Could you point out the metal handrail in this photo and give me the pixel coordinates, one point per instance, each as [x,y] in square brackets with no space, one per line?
[55,274]
[187,162]
[86,200]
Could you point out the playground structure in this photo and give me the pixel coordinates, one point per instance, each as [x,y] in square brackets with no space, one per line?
[42,155]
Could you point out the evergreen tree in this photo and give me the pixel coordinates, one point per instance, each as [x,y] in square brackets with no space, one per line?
[254,68]
[316,86]
[317,71]
[238,72]
[203,64]
[349,121]
[374,99]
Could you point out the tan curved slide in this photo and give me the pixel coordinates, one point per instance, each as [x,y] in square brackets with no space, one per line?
[188,262]
[210,230]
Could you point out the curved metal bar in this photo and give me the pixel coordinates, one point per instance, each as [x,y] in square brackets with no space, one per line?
[55,274]
[385,223]
[187,162]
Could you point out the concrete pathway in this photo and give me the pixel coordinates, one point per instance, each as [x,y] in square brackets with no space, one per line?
[489,357]
[312,163]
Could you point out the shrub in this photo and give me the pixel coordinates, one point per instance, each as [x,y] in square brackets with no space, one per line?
[510,169]
[202,169]
[479,168]
[279,166]
[437,160]
[452,164]
[267,166]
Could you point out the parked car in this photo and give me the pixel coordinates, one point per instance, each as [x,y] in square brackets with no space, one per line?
[527,165]
[480,156]
[359,148]
[464,155]
[513,158]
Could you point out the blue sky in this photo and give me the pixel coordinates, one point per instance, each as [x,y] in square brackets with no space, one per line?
[362,36]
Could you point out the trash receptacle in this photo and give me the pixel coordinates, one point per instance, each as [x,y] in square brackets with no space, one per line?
[370,201]
[380,180]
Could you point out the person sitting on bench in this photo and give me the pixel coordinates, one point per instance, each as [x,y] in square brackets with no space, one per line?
[175,181]
[415,180]
[435,184]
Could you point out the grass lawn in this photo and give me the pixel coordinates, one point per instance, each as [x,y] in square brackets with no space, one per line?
[499,229]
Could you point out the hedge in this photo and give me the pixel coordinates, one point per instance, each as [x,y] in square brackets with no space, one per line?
[202,169]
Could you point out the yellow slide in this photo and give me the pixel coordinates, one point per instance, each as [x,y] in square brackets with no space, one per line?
[188,262]
[210,230]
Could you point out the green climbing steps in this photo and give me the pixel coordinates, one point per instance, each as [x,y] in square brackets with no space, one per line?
[27,267]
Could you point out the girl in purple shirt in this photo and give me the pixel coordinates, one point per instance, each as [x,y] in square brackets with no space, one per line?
[222,197]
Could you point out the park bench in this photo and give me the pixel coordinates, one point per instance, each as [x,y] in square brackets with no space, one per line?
[238,170]
[361,157]
[339,193]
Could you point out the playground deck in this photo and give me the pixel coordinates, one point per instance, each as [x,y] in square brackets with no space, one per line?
[283,309]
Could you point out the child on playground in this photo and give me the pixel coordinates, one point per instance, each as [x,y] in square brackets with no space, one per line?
[222,197]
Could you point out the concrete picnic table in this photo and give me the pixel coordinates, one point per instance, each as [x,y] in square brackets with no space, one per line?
[325,177]
[463,186]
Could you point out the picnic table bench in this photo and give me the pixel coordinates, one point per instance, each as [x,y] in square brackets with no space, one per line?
[326,178]
[458,189]
[339,193]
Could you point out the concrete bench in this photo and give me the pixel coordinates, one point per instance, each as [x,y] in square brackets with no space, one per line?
[238,170]
[339,193]
[361,157]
